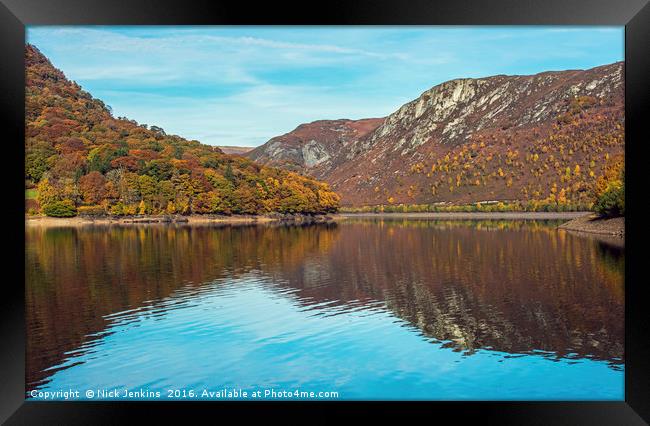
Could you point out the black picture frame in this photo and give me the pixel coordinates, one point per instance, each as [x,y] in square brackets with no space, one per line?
[634,14]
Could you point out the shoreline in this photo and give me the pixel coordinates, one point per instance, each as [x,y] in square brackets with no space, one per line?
[78,221]
[468,215]
[592,224]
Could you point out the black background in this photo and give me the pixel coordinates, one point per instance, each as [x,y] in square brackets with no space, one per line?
[15,14]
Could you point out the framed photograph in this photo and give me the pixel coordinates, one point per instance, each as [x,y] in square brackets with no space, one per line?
[357,208]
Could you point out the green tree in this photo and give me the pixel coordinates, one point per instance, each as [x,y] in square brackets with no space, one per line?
[64,208]
[99,158]
[611,202]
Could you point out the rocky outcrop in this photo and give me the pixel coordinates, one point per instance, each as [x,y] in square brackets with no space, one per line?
[315,147]
[450,112]
[571,117]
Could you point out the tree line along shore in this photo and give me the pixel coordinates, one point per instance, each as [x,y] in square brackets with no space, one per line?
[302,219]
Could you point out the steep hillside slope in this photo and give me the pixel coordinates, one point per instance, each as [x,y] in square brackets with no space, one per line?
[80,156]
[545,137]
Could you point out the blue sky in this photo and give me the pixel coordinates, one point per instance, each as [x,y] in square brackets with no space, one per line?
[244,85]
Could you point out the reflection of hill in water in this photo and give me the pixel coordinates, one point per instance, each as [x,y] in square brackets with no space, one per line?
[511,287]
[524,288]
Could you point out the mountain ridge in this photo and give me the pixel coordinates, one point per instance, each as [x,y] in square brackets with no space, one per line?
[525,110]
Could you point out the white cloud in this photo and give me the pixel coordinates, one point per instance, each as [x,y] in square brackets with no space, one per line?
[244,85]
[250,117]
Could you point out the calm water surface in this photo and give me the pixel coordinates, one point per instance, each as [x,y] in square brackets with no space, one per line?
[371,309]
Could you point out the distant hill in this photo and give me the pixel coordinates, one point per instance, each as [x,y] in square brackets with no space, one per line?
[313,144]
[82,159]
[540,138]
[236,150]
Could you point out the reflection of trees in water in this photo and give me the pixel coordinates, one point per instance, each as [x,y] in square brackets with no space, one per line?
[512,286]
[613,257]
[75,276]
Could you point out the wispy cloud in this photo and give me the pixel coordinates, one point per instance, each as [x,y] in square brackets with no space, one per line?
[244,85]
[99,39]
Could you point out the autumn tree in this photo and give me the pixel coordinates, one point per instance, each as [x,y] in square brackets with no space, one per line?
[93,187]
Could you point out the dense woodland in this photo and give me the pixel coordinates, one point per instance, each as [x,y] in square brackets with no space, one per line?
[82,160]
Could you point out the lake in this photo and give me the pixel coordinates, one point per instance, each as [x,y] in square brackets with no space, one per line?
[360,308]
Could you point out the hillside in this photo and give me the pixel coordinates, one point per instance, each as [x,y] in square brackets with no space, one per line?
[81,158]
[313,144]
[237,150]
[540,139]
